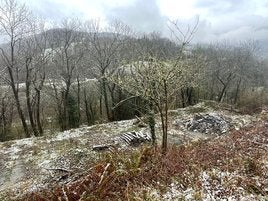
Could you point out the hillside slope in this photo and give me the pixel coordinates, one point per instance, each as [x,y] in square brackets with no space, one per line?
[33,164]
[229,167]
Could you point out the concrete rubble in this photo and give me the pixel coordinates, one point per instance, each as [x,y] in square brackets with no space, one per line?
[209,124]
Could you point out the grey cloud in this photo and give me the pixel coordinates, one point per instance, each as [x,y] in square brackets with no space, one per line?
[252,25]
[143,15]
[221,6]
[249,27]
[222,19]
[48,9]
[250,30]
[51,10]
[232,20]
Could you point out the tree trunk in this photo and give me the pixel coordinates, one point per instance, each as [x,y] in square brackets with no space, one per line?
[225,85]
[237,90]
[212,95]
[164,120]
[106,102]
[164,132]
[3,120]
[190,95]
[87,108]
[183,98]
[59,106]
[100,106]
[38,104]
[220,98]
[65,104]
[17,102]
[16,90]
[113,116]
[64,112]
[28,98]
[152,122]
[78,99]
[37,111]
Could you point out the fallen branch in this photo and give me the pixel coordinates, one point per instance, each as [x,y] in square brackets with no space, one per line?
[59,169]
[102,147]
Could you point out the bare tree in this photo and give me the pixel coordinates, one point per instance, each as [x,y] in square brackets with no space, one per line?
[68,53]
[14,19]
[36,58]
[158,80]
[229,68]
[248,66]
[104,46]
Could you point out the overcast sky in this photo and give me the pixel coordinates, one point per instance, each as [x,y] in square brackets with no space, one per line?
[218,19]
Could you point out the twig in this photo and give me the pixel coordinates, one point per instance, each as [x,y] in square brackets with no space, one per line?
[104,172]
[123,101]
[140,120]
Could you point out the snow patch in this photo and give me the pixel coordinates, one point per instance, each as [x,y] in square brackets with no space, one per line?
[68,134]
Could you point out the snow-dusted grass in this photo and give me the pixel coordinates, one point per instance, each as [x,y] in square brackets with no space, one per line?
[31,157]
[72,150]
[229,167]
[214,185]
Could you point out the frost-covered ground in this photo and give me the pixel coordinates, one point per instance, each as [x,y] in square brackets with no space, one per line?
[33,162]
[214,185]
[30,164]
[229,167]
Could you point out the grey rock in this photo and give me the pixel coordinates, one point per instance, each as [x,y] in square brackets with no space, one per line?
[208,124]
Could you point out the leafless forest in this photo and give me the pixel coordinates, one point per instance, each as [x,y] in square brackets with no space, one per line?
[63,77]
[57,77]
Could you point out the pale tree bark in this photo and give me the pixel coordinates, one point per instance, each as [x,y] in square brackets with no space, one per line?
[13,24]
[68,56]
[157,80]
[28,96]
[104,46]
[36,59]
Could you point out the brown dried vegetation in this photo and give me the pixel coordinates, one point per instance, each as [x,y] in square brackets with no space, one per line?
[122,175]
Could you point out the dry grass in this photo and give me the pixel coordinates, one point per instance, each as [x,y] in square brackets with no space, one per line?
[125,175]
